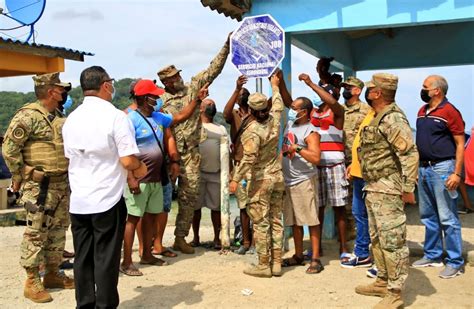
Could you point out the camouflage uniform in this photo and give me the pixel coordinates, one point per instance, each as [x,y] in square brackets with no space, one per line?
[187,135]
[266,186]
[33,149]
[353,116]
[389,160]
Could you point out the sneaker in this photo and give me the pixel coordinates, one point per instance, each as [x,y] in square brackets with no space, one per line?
[465,211]
[424,262]
[372,272]
[251,250]
[242,250]
[357,262]
[450,272]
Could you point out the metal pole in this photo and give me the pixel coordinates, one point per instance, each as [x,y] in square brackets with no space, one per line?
[258,85]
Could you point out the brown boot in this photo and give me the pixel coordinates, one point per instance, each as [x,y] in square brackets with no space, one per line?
[262,270]
[276,262]
[377,288]
[34,289]
[393,300]
[57,280]
[180,244]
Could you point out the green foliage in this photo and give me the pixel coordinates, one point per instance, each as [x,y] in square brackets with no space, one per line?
[11,101]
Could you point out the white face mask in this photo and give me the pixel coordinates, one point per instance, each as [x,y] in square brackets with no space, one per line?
[112,94]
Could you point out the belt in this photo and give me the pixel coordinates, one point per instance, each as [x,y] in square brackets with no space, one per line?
[426,163]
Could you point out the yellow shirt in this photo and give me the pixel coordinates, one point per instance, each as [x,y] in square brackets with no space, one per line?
[355,166]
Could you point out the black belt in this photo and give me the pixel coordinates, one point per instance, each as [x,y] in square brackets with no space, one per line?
[426,163]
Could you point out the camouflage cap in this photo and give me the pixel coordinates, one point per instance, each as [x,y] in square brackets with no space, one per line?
[383,80]
[257,101]
[168,71]
[353,81]
[50,79]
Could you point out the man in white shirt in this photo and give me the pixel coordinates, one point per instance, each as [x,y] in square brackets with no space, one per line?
[99,142]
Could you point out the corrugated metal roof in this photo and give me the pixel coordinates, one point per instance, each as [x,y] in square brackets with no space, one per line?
[230,8]
[42,49]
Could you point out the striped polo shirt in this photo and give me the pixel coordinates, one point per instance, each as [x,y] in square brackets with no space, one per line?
[331,142]
[435,130]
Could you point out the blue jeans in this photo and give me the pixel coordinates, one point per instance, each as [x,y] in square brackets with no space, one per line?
[439,214]
[359,211]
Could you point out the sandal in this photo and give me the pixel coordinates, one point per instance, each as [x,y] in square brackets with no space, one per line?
[293,261]
[68,255]
[166,253]
[155,262]
[315,269]
[131,271]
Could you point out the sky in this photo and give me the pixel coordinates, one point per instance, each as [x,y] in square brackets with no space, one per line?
[137,38]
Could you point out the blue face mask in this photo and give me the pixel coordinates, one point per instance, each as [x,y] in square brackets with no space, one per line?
[67,105]
[317,103]
[292,115]
[158,106]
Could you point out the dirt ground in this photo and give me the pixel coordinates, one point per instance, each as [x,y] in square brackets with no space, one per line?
[208,279]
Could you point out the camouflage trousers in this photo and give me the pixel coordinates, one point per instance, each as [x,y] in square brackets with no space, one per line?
[387,227]
[264,207]
[45,236]
[188,190]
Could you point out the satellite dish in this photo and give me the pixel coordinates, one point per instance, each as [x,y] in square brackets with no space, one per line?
[25,12]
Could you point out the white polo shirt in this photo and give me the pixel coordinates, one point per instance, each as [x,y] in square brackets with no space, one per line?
[96,135]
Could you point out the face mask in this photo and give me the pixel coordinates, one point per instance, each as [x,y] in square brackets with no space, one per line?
[346,94]
[112,93]
[317,103]
[67,105]
[369,101]
[158,106]
[210,111]
[424,95]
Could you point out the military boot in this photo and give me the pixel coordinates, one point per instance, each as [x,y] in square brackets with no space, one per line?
[276,262]
[377,288]
[34,289]
[53,279]
[180,244]
[393,300]
[261,270]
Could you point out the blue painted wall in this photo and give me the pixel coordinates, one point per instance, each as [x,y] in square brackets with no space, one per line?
[323,15]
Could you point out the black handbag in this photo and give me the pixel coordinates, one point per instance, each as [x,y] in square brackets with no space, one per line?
[165,179]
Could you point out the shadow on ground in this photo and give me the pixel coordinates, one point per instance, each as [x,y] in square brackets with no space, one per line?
[165,296]
[417,284]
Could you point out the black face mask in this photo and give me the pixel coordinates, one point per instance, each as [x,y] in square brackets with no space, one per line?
[424,95]
[346,94]
[369,101]
[63,98]
[210,111]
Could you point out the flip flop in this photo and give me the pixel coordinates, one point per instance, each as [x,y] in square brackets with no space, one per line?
[293,261]
[68,255]
[156,262]
[130,272]
[166,253]
[315,269]
[345,256]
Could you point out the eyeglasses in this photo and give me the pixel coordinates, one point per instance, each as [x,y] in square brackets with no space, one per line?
[112,81]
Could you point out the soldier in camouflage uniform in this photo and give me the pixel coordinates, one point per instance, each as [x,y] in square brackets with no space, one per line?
[34,153]
[354,112]
[266,187]
[389,160]
[187,135]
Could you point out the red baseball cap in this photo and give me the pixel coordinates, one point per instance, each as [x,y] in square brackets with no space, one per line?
[146,86]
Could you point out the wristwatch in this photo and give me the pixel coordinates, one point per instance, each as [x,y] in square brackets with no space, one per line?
[298,149]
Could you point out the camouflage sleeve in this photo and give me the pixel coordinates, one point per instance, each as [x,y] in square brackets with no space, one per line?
[277,104]
[397,130]
[17,134]
[209,74]
[251,144]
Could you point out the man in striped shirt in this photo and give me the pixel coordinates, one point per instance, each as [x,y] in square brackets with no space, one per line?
[333,184]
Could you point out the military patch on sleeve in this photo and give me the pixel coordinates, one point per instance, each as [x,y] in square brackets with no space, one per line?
[18,133]
[401,144]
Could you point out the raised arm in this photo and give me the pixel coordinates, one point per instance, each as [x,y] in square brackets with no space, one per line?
[285,94]
[326,97]
[190,108]
[229,107]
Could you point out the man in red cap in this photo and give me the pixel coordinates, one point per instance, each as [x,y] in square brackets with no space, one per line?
[144,196]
